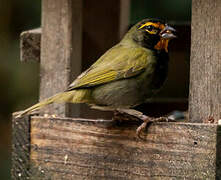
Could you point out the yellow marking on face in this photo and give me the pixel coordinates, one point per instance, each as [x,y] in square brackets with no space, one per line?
[156,25]
[163,43]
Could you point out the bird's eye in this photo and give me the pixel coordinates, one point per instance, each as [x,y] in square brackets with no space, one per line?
[149,28]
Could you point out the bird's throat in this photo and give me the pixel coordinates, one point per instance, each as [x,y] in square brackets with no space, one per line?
[162,44]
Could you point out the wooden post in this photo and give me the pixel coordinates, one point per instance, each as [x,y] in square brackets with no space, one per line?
[205,64]
[60,50]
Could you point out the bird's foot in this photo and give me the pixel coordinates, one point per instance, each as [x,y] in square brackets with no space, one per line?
[147,121]
[131,114]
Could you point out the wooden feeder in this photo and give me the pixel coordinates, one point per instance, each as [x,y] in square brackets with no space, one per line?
[73,148]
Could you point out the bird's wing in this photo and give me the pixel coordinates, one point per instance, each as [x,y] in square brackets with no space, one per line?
[117,63]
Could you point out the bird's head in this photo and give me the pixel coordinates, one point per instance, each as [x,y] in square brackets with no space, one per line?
[152,34]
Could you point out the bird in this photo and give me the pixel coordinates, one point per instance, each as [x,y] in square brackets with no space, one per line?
[126,75]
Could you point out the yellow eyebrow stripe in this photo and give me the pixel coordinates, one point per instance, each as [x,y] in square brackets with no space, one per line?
[156,25]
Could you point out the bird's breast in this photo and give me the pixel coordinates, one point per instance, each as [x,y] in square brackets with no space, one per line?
[132,91]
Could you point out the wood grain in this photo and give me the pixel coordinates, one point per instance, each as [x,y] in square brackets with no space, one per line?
[97,149]
[60,50]
[20,148]
[30,45]
[205,64]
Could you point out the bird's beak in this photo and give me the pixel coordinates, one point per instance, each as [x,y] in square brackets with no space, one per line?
[167,32]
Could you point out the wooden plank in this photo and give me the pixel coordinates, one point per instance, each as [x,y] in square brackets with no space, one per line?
[30,45]
[65,148]
[60,50]
[20,148]
[205,67]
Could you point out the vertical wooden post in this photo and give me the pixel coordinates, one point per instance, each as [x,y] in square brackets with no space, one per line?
[60,50]
[205,68]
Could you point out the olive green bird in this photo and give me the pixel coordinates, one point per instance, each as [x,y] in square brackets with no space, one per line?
[126,75]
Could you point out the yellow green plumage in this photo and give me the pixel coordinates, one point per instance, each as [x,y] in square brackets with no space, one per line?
[125,76]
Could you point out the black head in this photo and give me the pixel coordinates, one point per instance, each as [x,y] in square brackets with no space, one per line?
[153,34]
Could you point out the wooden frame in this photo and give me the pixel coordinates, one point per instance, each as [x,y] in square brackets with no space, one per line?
[205,66]
[67,148]
[72,148]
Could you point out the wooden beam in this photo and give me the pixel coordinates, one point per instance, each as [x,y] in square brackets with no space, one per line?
[21,148]
[60,50]
[98,149]
[30,45]
[205,64]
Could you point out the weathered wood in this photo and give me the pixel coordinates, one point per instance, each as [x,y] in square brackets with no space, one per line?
[60,50]
[20,148]
[96,149]
[205,67]
[30,45]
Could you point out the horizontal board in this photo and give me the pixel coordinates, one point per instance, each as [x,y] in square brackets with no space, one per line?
[100,149]
[30,42]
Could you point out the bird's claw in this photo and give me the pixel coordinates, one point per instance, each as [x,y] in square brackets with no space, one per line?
[147,121]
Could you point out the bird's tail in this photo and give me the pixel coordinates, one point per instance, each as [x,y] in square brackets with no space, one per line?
[74,96]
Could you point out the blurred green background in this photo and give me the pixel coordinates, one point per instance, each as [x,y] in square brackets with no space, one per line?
[19,81]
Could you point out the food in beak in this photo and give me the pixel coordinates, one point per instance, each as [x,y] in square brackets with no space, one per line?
[167,32]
